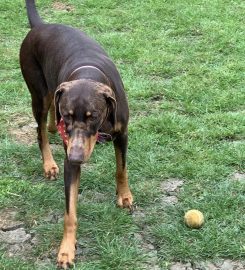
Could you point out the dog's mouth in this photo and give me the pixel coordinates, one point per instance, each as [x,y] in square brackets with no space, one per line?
[80,146]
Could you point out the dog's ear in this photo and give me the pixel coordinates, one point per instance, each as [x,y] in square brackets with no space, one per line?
[57,95]
[112,105]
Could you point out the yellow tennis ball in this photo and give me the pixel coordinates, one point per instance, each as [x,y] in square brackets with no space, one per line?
[194,218]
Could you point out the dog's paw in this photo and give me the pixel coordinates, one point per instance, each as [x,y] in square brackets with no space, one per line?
[51,170]
[125,199]
[66,255]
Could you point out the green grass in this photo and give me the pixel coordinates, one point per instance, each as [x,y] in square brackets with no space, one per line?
[182,63]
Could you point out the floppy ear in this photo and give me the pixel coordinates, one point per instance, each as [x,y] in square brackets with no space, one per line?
[112,105]
[57,95]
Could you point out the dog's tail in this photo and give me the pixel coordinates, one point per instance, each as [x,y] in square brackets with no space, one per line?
[33,16]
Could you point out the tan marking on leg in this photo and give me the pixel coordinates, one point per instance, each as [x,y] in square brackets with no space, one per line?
[124,195]
[118,127]
[51,169]
[67,249]
[52,126]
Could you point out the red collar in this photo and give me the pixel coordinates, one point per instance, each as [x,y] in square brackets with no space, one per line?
[101,137]
[62,131]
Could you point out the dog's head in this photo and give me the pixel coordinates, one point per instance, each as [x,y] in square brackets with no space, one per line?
[84,105]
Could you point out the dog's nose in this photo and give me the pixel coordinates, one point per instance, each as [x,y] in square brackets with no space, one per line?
[76,155]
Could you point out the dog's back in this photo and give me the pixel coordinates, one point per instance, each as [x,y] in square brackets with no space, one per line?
[60,49]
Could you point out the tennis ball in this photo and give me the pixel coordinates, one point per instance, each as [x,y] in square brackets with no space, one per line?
[194,218]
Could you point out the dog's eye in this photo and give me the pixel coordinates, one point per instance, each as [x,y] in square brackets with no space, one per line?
[92,116]
[66,115]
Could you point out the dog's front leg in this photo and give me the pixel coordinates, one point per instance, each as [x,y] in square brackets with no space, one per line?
[124,195]
[66,253]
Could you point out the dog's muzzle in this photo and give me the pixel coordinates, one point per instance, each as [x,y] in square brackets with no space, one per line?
[80,147]
[76,152]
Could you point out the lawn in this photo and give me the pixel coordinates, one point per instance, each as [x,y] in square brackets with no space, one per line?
[182,63]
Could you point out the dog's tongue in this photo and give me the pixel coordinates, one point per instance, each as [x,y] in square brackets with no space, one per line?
[101,137]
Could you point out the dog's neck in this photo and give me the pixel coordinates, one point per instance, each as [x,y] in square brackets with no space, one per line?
[89,72]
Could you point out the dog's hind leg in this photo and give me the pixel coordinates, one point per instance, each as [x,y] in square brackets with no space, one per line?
[41,100]
[124,195]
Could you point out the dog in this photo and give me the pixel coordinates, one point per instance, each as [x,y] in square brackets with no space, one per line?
[71,77]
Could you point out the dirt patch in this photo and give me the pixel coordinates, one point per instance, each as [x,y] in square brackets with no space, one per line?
[145,241]
[169,200]
[221,265]
[171,186]
[13,236]
[23,129]
[62,6]
[89,196]
[8,220]
[239,177]
[170,189]
[16,241]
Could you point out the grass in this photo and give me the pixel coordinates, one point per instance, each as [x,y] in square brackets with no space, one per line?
[183,69]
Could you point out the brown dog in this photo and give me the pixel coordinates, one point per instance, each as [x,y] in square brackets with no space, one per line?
[70,75]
